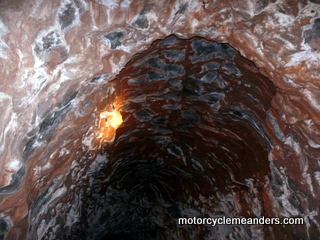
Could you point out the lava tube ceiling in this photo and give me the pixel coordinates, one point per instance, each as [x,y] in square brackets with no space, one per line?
[120,117]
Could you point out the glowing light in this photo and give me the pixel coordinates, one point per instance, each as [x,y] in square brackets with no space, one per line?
[114,118]
[109,122]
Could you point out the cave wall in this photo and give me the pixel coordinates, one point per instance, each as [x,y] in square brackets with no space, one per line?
[61,63]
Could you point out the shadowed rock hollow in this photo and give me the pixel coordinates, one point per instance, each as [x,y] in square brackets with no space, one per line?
[220,111]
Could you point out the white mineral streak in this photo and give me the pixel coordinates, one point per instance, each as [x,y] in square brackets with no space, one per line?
[282,20]
[111,3]
[89,140]
[6,113]
[63,151]
[14,165]
[314,102]
[317,177]
[3,44]
[307,55]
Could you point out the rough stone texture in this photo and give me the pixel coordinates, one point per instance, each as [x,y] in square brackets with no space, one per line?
[207,132]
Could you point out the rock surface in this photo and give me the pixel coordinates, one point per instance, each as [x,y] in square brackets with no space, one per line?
[220,109]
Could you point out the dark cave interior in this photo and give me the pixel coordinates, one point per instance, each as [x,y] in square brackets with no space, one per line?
[194,128]
[119,118]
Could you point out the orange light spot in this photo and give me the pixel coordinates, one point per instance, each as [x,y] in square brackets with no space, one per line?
[109,122]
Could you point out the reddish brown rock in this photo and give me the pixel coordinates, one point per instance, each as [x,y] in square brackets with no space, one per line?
[220,107]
